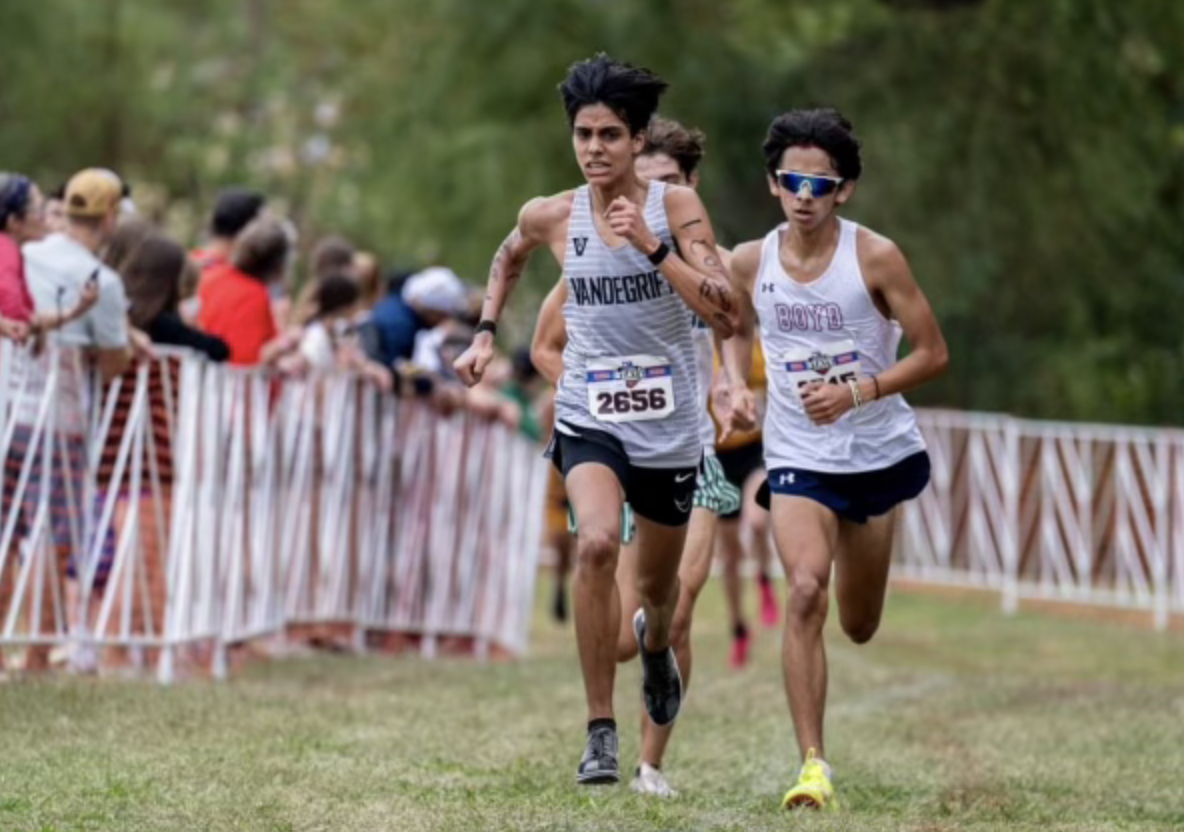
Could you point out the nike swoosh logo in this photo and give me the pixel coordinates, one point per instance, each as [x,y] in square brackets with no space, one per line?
[682,477]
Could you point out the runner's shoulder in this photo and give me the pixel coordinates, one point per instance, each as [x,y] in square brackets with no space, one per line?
[683,205]
[878,255]
[541,216]
[746,259]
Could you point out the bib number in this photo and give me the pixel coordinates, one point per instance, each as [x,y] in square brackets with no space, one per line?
[835,363]
[632,388]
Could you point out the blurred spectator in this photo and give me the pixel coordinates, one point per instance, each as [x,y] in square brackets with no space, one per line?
[234,210]
[22,220]
[327,341]
[370,292]
[333,306]
[235,301]
[152,267]
[397,277]
[331,256]
[281,298]
[428,298]
[55,210]
[60,266]
[524,387]
[369,280]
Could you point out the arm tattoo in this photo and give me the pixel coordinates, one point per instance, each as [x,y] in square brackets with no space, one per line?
[710,289]
[708,256]
[503,267]
[711,292]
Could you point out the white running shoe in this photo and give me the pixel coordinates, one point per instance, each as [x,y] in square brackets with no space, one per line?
[650,780]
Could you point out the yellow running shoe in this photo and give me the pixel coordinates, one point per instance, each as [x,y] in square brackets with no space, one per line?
[813,789]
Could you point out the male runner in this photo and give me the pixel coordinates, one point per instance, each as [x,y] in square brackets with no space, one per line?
[672,154]
[627,411]
[841,446]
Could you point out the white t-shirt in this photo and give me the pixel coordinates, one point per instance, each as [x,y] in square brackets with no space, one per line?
[57,269]
[317,347]
[428,343]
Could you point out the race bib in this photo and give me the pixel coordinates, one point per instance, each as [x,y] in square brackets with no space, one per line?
[631,388]
[835,363]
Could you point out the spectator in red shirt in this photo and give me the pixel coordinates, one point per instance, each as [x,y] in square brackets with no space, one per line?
[235,303]
[233,211]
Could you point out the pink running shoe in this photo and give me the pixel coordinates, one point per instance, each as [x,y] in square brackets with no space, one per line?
[770,612]
[740,645]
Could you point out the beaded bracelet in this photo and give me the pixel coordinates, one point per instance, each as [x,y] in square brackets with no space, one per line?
[856,396]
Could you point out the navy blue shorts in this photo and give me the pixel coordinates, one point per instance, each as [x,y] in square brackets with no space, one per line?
[854,497]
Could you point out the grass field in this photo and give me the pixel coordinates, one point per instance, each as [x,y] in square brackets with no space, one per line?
[954,717]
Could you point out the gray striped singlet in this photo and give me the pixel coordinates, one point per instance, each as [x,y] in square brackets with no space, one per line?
[629,365]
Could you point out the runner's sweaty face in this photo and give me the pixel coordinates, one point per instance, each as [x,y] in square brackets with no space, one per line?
[604,148]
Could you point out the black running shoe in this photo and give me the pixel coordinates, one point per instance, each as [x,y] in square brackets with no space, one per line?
[599,765]
[661,683]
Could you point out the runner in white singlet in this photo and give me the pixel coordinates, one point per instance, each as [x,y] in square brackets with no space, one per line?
[842,448]
[672,154]
[638,257]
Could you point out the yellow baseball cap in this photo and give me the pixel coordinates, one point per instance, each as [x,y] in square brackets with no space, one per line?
[93,192]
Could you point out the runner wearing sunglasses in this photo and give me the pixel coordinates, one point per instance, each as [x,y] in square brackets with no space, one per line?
[842,448]
[638,257]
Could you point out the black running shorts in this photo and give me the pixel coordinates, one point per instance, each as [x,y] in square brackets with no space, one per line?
[661,495]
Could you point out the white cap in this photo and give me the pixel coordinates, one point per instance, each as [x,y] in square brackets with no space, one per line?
[437,289]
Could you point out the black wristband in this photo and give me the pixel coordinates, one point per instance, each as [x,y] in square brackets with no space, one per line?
[659,254]
[486,325]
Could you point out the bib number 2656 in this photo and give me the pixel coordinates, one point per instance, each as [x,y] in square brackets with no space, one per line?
[631,388]
[630,401]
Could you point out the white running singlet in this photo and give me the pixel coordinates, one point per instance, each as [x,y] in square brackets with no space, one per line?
[828,329]
[629,365]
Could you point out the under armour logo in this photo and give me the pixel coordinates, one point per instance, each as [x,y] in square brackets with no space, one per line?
[766,287]
[580,243]
[786,479]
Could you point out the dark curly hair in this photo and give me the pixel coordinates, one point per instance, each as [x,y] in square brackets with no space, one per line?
[684,145]
[630,92]
[824,128]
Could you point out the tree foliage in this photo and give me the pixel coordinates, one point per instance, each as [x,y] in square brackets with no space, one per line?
[1028,157]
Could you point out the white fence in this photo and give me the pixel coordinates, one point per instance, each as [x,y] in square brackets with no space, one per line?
[203,506]
[1092,514]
